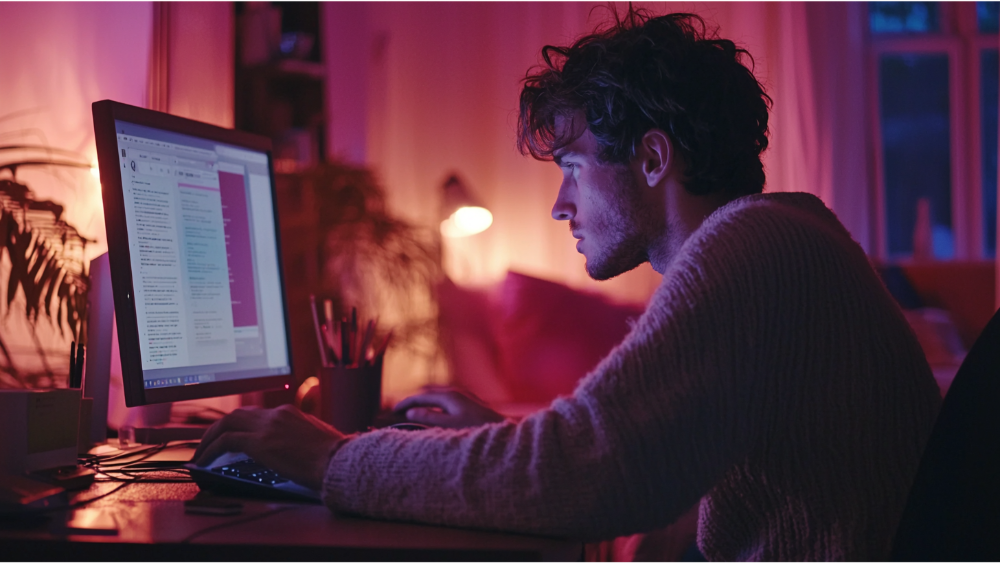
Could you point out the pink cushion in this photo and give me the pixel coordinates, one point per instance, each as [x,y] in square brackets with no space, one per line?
[536,338]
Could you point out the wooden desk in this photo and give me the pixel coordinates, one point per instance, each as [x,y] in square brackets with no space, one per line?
[152,525]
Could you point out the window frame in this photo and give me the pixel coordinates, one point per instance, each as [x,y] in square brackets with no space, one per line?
[959,39]
[974,47]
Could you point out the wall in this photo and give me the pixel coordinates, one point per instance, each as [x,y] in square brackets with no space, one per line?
[421,90]
[55,60]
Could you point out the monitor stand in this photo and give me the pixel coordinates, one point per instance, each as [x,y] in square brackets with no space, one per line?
[149,424]
[162,434]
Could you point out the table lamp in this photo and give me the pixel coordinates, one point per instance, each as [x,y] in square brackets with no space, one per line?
[461,214]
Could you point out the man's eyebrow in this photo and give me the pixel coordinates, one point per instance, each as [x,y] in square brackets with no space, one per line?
[559,154]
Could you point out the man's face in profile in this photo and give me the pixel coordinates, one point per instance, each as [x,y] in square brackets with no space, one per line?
[603,204]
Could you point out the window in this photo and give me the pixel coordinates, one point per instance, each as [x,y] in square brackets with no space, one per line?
[935,67]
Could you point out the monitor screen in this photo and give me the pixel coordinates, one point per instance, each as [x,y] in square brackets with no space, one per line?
[195,257]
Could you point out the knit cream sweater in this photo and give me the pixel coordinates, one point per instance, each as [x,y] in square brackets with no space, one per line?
[771,376]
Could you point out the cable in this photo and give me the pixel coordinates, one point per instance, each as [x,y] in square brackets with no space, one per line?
[146,453]
[210,529]
[125,454]
[120,467]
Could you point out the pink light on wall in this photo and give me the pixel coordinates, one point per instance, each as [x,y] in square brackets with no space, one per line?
[57,59]
[421,89]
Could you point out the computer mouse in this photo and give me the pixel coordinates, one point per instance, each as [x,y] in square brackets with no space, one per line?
[408,426]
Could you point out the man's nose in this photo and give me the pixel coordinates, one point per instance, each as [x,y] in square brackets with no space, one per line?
[564,209]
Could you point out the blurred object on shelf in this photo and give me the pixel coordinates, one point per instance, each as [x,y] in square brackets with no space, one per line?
[280,81]
[295,151]
[297,44]
[260,33]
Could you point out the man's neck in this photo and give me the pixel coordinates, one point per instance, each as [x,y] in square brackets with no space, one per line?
[685,212]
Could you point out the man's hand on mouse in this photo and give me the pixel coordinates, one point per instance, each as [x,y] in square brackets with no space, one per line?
[448,408]
[295,445]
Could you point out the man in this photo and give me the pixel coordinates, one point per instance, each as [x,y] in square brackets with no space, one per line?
[771,376]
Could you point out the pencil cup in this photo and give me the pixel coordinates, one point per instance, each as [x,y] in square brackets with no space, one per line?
[350,397]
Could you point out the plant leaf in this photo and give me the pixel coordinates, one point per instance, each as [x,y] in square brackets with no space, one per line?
[53,291]
[63,305]
[49,273]
[32,290]
[19,263]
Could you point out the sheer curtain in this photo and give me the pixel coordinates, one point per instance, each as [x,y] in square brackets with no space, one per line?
[58,58]
[439,90]
[55,60]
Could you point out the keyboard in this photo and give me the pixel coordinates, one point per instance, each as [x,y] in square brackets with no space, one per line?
[250,470]
[239,475]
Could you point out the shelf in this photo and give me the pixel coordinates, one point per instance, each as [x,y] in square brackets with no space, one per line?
[291,68]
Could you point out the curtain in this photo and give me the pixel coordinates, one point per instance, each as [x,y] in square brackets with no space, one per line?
[57,58]
[438,86]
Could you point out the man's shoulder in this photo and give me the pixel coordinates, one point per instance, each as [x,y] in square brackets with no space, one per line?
[785,205]
[774,217]
[766,231]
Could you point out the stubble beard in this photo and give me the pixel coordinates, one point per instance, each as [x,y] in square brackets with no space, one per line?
[624,226]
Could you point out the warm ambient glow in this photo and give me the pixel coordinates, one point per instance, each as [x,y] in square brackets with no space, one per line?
[95,172]
[466,221]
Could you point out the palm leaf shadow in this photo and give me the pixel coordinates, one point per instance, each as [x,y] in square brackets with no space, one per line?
[39,246]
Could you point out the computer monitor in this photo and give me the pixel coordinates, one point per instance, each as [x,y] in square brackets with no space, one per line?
[194,255]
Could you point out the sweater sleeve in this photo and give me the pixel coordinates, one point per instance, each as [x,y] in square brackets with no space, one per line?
[643,437]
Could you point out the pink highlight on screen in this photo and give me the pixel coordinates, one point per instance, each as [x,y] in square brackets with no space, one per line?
[209,188]
[236,223]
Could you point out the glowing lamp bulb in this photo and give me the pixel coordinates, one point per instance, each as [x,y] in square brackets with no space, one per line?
[466,221]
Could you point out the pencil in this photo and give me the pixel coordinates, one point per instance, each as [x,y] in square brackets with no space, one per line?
[328,311]
[384,346]
[366,341]
[319,336]
[331,344]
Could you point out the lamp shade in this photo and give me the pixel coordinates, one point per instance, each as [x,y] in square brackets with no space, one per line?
[461,214]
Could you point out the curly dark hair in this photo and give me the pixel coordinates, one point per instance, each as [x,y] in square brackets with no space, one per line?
[645,72]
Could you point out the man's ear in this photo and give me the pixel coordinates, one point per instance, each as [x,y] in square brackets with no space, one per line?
[656,157]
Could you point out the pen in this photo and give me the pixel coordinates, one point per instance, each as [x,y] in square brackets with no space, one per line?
[76,355]
[72,365]
[355,353]
[81,353]
[345,342]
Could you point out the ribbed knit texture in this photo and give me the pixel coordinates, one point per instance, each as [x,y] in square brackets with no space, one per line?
[771,374]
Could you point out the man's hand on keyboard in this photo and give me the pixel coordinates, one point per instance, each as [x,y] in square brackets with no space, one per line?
[294,445]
